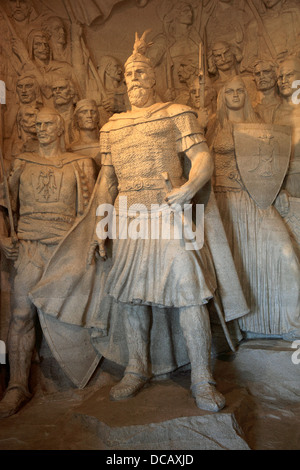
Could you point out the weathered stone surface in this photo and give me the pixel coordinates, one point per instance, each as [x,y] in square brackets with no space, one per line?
[214,70]
[260,384]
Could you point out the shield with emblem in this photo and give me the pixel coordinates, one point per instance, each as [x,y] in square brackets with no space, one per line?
[263,154]
[72,348]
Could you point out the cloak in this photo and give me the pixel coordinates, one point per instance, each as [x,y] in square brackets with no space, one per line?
[73,293]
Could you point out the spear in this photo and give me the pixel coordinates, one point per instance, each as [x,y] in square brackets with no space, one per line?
[201,75]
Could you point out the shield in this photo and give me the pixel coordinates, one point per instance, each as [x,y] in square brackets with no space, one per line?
[263,154]
[71,346]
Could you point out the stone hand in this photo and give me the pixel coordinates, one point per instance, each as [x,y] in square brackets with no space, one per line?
[169,95]
[178,196]
[202,117]
[76,30]
[108,105]
[282,203]
[19,49]
[97,250]
[10,248]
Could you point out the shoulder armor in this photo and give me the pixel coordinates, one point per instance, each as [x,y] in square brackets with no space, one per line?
[175,109]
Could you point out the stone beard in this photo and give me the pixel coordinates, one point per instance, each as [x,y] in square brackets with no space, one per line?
[138,96]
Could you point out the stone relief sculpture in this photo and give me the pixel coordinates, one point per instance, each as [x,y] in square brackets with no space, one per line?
[137,297]
[112,96]
[48,189]
[68,48]
[225,20]
[44,66]
[60,45]
[17,19]
[288,113]
[274,34]
[260,251]
[267,100]
[224,63]
[140,162]
[28,93]
[86,126]
[65,98]
[179,39]
[88,12]
[27,138]
[234,63]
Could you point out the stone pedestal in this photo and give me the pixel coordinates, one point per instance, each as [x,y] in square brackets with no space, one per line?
[260,383]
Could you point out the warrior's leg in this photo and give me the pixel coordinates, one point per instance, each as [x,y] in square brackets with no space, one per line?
[137,327]
[195,325]
[21,342]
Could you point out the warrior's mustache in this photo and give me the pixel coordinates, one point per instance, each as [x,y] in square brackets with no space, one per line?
[138,87]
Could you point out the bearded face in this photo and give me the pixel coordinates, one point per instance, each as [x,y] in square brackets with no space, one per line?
[19,9]
[288,73]
[264,76]
[140,82]
[139,96]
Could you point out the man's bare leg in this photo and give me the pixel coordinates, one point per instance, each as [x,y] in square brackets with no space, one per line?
[137,328]
[195,325]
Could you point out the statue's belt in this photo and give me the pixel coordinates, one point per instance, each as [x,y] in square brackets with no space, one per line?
[47,216]
[147,183]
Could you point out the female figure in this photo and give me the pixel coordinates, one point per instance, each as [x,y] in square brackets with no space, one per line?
[266,263]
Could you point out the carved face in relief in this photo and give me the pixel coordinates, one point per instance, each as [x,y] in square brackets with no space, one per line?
[235,95]
[87,117]
[185,71]
[289,71]
[264,76]
[223,56]
[195,94]
[27,119]
[271,3]
[49,127]
[62,92]
[56,30]
[140,82]
[114,71]
[183,12]
[41,47]
[27,90]
[20,9]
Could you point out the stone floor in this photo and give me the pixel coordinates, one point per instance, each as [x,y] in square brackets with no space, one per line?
[260,382]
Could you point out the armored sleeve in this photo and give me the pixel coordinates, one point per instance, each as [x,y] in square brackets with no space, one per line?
[188,131]
[88,169]
[105,150]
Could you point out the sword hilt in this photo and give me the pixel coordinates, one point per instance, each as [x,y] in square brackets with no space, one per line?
[168,183]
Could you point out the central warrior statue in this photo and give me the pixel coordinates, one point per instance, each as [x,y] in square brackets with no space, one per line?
[137,148]
[147,305]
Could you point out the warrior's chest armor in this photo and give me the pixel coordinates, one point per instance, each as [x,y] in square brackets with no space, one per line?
[48,188]
[145,150]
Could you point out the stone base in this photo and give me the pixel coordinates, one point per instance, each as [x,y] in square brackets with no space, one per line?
[260,382]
